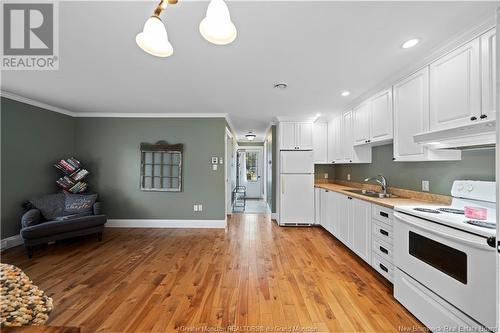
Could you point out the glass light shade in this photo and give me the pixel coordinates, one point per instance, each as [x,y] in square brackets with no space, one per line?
[154,39]
[250,137]
[217,27]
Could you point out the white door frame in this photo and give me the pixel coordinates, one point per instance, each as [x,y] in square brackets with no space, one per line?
[497,166]
[228,137]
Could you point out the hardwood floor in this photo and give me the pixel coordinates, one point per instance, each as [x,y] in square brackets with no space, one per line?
[255,273]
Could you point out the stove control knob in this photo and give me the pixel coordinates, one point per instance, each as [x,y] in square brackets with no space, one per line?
[470,188]
[460,187]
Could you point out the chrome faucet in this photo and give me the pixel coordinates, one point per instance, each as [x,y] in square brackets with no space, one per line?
[382,182]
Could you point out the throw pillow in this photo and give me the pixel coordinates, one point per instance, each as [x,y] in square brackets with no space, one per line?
[50,205]
[79,203]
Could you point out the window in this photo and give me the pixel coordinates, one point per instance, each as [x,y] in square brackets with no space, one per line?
[161,167]
[251,162]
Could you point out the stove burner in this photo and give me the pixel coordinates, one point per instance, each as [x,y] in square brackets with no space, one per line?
[427,210]
[482,224]
[451,210]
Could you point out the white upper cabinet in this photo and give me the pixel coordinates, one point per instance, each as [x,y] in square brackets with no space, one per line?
[488,75]
[305,136]
[411,116]
[361,119]
[320,142]
[455,88]
[346,137]
[334,142]
[296,135]
[411,107]
[381,117]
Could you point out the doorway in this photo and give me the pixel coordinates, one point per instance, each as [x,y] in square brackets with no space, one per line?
[253,172]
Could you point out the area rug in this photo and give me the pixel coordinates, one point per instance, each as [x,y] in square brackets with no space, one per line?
[21,302]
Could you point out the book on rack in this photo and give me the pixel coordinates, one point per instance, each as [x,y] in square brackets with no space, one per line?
[73,175]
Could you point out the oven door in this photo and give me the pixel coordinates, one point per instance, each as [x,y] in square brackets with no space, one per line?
[456,265]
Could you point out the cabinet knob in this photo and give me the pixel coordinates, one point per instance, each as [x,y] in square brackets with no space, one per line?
[350,161]
[483,116]
[393,158]
[473,118]
[349,198]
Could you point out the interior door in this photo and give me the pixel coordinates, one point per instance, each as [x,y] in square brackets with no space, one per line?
[254,172]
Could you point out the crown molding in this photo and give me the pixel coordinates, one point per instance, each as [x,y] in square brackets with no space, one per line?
[53,108]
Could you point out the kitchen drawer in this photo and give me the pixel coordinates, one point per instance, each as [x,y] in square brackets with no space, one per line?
[383,267]
[382,249]
[382,231]
[382,214]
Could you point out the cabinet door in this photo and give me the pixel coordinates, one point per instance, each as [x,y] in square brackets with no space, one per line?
[320,142]
[455,88]
[344,220]
[287,136]
[361,229]
[323,197]
[411,109]
[361,123]
[317,206]
[333,212]
[346,138]
[381,117]
[488,75]
[332,143]
[304,135]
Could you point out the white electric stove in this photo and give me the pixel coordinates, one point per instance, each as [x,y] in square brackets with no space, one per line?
[465,193]
[446,262]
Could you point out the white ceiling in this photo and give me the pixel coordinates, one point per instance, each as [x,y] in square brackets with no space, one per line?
[318,48]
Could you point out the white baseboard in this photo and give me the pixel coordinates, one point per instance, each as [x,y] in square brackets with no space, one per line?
[9,242]
[151,223]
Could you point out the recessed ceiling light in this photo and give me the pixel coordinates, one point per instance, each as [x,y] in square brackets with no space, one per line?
[345,93]
[281,85]
[410,43]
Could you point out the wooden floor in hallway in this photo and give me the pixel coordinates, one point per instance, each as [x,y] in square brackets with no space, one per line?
[253,274]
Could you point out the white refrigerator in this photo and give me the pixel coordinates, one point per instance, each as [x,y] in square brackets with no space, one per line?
[296,187]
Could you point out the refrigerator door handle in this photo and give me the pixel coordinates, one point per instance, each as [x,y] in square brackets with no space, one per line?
[282,185]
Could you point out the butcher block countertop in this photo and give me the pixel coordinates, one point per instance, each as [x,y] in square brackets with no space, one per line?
[404,197]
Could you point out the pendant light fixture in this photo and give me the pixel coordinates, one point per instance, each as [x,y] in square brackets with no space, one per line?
[154,39]
[216,27]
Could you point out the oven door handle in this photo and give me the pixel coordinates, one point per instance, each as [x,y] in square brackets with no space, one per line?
[419,224]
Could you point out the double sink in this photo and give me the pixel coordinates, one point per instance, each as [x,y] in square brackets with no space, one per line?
[371,194]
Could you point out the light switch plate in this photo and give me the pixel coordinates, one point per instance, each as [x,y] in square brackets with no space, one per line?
[200,207]
[214,160]
[348,176]
[195,208]
[214,167]
[325,175]
[425,185]
[221,161]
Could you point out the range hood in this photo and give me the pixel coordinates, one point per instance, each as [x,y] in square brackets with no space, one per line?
[481,134]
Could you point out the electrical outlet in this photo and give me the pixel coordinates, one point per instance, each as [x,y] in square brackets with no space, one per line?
[348,176]
[214,167]
[325,175]
[195,208]
[425,185]
[200,207]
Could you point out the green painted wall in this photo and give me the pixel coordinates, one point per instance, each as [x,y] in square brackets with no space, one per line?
[32,140]
[321,169]
[475,165]
[251,144]
[110,149]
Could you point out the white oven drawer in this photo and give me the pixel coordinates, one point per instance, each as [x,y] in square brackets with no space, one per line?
[382,266]
[429,308]
[382,231]
[382,214]
[382,249]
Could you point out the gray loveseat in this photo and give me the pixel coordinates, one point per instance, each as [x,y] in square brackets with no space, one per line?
[59,216]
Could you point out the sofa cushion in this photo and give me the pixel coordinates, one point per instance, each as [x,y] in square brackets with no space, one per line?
[31,217]
[58,227]
[50,205]
[79,203]
[72,216]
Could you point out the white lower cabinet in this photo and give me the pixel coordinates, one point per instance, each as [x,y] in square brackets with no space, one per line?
[363,227]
